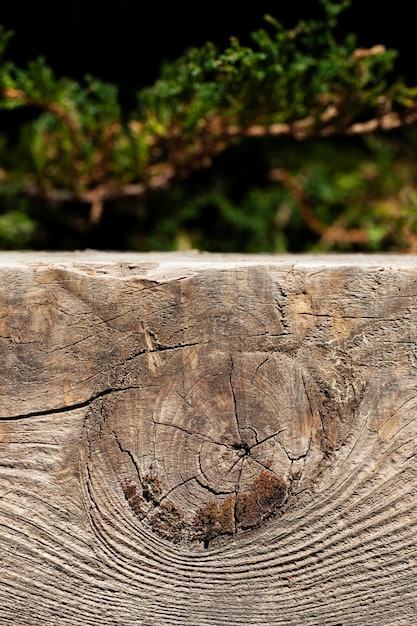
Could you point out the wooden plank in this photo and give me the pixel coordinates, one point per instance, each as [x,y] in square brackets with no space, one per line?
[202,439]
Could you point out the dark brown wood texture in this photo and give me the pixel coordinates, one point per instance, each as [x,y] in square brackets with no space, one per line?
[200,439]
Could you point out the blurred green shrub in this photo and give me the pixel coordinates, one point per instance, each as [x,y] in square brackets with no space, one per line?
[211,158]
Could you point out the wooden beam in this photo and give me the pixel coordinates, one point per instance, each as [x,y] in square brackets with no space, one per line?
[204,439]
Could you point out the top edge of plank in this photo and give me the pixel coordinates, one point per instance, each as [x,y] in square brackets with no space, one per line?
[201,260]
[163,266]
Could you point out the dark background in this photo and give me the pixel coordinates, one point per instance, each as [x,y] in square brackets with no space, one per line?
[124,42]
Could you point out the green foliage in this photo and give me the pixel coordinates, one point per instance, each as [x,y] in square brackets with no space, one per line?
[16,227]
[342,196]
[82,150]
[285,77]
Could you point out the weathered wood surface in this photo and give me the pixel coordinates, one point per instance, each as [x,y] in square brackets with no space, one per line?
[198,439]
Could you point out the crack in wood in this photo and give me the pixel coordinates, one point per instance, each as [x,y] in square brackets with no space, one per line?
[234,398]
[211,490]
[64,409]
[258,443]
[188,432]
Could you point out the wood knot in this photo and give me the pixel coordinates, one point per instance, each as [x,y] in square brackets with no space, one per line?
[214,454]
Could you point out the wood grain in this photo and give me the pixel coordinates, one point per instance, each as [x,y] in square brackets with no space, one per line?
[203,439]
